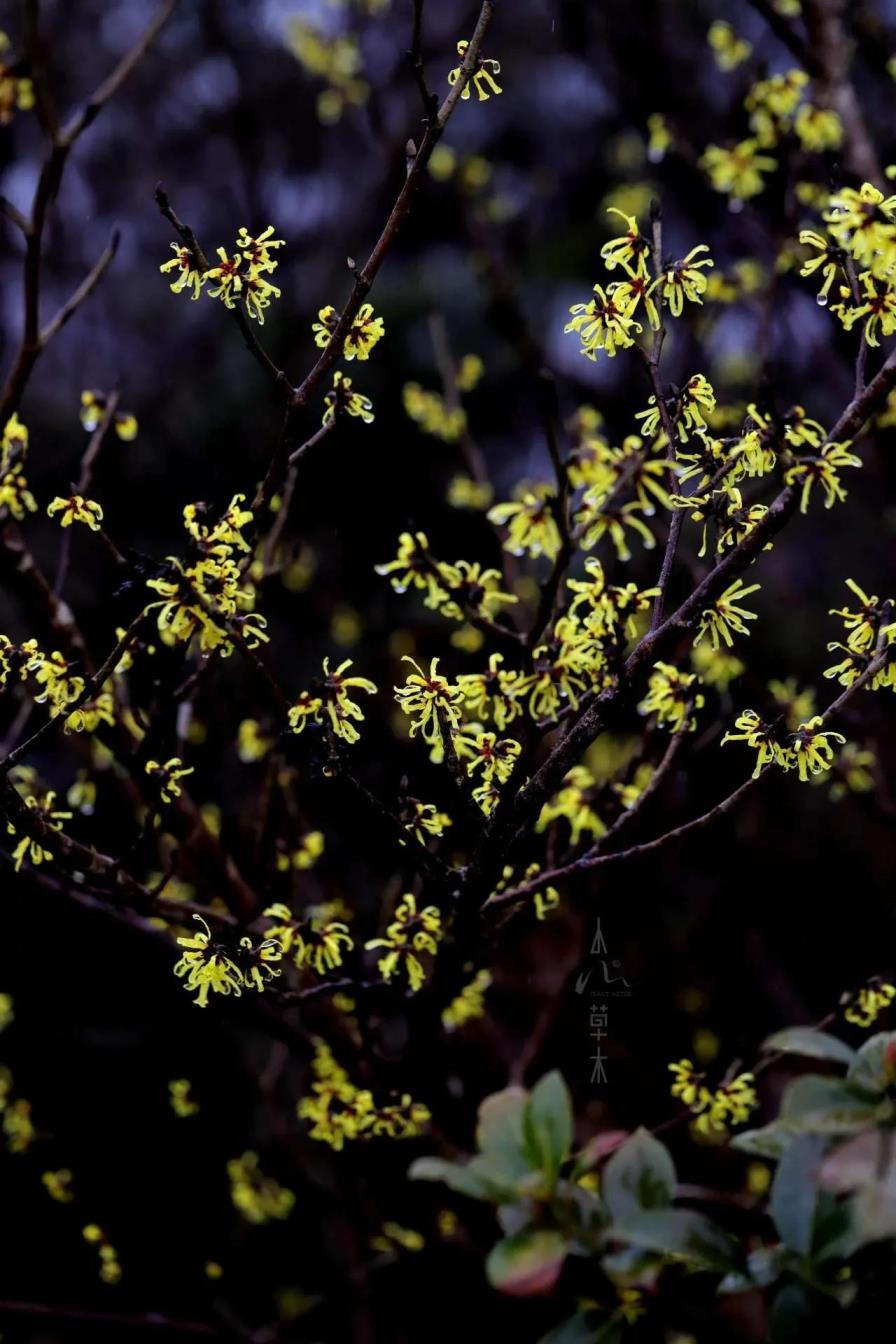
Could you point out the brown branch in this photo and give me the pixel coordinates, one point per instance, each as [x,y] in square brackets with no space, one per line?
[14,215]
[510,819]
[60,143]
[592,860]
[415,56]
[34,342]
[238,311]
[91,688]
[365,277]
[832,48]
[85,479]
[70,1315]
[80,120]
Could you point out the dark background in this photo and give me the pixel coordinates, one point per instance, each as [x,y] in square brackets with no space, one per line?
[769,916]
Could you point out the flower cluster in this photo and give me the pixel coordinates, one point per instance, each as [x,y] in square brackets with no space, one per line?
[16,90]
[869,629]
[412,931]
[731,1103]
[363,333]
[256,1197]
[211,967]
[340,1112]
[330,701]
[210,600]
[865,1006]
[319,944]
[808,748]
[482,78]
[607,322]
[94,408]
[239,279]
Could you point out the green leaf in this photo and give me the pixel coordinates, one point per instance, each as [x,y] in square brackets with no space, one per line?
[500,1134]
[834,1233]
[680,1232]
[814,1044]
[548,1123]
[639,1175]
[478,1178]
[770,1141]
[874,1067]
[794,1194]
[526,1264]
[817,1105]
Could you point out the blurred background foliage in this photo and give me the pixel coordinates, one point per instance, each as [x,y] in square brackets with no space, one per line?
[761,921]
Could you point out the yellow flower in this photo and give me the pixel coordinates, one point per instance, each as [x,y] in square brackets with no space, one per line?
[469,1004]
[182,1103]
[15,495]
[471,589]
[411,932]
[189,275]
[729,50]
[864,1007]
[93,410]
[659,140]
[604,322]
[15,90]
[422,820]
[252,744]
[14,443]
[42,803]
[731,1103]
[726,618]
[763,738]
[737,172]
[431,702]
[532,523]
[361,337]
[393,1236]
[58,1185]
[812,750]
[818,128]
[795,705]
[257,293]
[465,493]
[167,777]
[430,412]
[229,281]
[208,967]
[6,1011]
[482,78]
[320,945]
[257,250]
[683,280]
[76,509]
[878,309]
[630,248]
[672,697]
[258,1198]
[331,701]
[821,470]
[110,1269]
[574,803]
[343,400]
